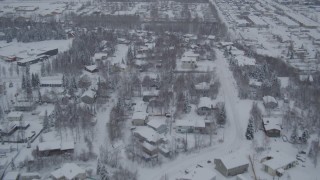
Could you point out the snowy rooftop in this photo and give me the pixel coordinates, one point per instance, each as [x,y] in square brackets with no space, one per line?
[279,160]
[257,20]
[272,123]
[284,81]
[200,123]
[89,93]
[287,21]
[234,160]
[244,60]
[14,114]
[68,171]
[51,80]
[148,146]
[53,145]
[149,134]
[205,102]
[139,115]
[91,67]
[156,123]
[268,99]
[202,86]
[188,59]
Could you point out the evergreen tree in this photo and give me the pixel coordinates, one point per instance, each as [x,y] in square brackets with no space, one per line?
[186,108]
[24,85]
[249,132]
[305,136]
[294,136]
[46,121]
[222,115]
[39,97]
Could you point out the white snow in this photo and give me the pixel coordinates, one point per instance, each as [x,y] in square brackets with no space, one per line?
[68,171]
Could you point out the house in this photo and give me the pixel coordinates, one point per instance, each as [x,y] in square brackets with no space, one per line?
[205,106]
[198,173]
[276,163]
[139,118]
[149,135]
[12,175]
[69,171]
[272,126]
[149,149]
[29,176]
[189,62]
[157,123]
[15,116]
[148,95]
[190,126]
[202,89]
[55,148]
[51,81]
[270,102]
[91,68]
[24,106]
[231,165]
[89,97]
[32,60]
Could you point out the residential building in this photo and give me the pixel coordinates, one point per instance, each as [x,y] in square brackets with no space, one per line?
[232,165]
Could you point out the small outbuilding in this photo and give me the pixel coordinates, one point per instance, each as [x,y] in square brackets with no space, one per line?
[139,118]
[15,116]
[272,126]
[270,102]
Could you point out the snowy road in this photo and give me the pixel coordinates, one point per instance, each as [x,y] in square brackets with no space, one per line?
[234,139]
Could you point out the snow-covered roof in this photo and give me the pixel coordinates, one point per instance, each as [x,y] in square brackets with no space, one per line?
[188,59]
[284,81]
[14,114]
[67,145]
[91,67]
[269,99]
[302,19]
[147,133]
[190,54]
[272,123]
[257,20]
[287,21]
[68,171]
[234,160]
[55,145]
[89,93]
[205,102]
[254,82]
[148,146]
[51,80]
[139,115]
[244,60]
[202,86]
[151,93]
[200,173]
[13,175]
[156,123]
[279,160]
[191,123]
[100,55]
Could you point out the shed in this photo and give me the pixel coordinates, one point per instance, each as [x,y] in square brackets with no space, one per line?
[205,106]
[15,116]
[272,126]
[24,106]
[51,81]
[89,97]
[190,125]
[232,165]
[269,102]
[139,118]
